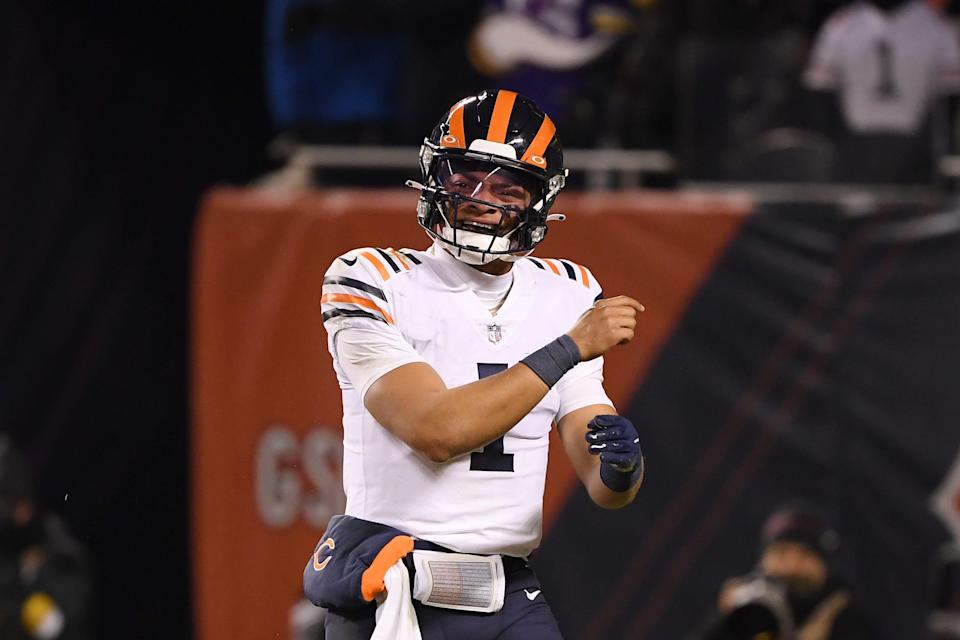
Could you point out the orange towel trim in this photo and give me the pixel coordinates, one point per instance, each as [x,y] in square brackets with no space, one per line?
[371,584]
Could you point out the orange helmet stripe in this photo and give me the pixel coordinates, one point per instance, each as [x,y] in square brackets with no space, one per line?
[455,138]
[502,109]
[539,144]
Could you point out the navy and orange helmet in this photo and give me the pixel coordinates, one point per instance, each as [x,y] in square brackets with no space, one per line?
[497,133]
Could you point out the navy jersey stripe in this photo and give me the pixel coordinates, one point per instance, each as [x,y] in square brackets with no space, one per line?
[350,313]
[599,297]
[389,260]
[537,262]
[355,284]
[570,272]
[412,257]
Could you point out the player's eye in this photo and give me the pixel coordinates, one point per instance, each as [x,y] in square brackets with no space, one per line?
[460,184]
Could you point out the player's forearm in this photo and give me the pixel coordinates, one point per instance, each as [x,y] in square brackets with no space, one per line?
[605,497]
[610,466]
[414,404]
[465,418]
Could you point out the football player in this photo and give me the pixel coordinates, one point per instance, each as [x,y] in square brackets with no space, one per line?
[454,362]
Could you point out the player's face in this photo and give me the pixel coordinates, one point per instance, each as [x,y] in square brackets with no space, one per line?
[486,188]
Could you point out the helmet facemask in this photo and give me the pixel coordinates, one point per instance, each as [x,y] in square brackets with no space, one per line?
[481,208]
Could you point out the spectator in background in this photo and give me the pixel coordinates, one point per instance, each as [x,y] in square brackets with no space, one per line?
[888,60]
[795,586]
[551,50]
[45,587]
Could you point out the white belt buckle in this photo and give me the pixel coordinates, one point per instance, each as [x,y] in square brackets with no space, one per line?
[459,581]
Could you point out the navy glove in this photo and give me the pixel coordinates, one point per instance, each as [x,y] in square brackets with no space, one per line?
[615,440]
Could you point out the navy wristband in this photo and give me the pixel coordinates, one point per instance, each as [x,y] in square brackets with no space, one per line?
[620,481]
[554,360]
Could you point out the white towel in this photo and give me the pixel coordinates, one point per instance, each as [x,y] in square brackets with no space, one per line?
[396,617]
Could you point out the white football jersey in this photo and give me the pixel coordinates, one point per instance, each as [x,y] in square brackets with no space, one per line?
[490,500]
[887,66]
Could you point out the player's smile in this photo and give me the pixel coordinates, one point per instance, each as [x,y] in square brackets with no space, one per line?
[478,224]
[470,217]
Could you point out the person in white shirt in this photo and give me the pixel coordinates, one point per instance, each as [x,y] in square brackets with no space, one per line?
[454,363]
[888,60]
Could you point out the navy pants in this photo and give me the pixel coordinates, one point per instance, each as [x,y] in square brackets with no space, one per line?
[525,615]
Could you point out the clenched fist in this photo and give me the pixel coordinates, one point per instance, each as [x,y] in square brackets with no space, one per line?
[608,322]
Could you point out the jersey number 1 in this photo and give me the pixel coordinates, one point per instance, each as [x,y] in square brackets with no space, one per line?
[887,83]
[491,457]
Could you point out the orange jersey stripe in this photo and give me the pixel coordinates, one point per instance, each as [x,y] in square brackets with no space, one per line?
[586,278]
[399,256]
[363,302]
[502,109]
[455,138]
[534,153]
[552,266]
[384,273]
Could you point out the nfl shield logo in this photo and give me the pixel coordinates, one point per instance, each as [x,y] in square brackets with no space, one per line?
[494,334]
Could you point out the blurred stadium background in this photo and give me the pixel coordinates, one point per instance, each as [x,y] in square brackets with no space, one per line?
[175,177]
